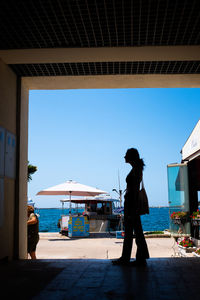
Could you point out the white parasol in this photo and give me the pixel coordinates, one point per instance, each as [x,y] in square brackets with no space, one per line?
[72,188]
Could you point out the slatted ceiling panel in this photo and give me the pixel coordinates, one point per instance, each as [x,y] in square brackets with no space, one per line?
[108,68]
[98,23]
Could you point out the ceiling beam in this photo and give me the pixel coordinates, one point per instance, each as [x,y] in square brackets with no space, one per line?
[66,55]
[112,82]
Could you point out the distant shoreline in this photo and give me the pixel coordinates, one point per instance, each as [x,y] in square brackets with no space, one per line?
[83,207]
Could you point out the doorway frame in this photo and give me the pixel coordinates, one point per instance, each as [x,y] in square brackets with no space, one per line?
[73,82]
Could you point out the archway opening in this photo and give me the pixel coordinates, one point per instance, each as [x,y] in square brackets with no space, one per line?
[83,135]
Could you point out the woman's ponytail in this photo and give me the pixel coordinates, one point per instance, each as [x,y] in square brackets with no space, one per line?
[141,162]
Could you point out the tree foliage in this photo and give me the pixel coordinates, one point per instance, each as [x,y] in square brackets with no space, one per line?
[31,170]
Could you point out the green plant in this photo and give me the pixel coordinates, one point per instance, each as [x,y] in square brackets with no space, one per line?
[187,242]
[197,251]
[31,170]
[179,215]
[195,214]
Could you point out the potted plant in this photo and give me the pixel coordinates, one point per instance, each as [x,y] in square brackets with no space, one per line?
[195,218]
[187,244]
[197,252]
[179,217]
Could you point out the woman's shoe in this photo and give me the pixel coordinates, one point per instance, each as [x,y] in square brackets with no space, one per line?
[120,262]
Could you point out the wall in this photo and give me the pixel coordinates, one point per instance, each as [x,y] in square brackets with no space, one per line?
[8,106]
[191,148]
[23,162]
[8,88]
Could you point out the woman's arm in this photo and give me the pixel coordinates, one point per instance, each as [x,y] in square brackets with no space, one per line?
[32,221]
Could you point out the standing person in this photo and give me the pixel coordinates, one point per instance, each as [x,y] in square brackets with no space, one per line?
[132,219]
[33,228]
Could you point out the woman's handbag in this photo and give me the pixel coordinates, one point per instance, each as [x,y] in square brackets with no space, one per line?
[143,204]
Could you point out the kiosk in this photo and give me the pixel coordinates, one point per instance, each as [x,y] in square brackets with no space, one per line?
[184,182]
[98,216]
[78,226]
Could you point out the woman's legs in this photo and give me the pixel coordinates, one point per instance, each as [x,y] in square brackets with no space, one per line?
[32,255]
[142,249]
[127,245]
[32,244]
[128,240]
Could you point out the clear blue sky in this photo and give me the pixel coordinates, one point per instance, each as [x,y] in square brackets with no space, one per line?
[83,135]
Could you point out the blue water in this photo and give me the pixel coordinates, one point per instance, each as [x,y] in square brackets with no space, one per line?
[49,217]
[158,219]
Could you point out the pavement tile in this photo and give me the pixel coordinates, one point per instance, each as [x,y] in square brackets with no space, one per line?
[51,295]
[163,279]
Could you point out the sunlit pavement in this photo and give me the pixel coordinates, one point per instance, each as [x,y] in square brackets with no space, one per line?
[54,246]
[163,278]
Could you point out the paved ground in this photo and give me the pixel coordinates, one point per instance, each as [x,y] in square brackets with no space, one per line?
[53,245]
[82,269]
[162,279]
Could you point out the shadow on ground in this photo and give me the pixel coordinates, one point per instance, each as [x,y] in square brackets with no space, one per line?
[163,278]
[25,279]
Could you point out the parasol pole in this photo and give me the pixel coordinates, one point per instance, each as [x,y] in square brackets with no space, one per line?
[119,192]
[120,201]
[70,203]
[62,207]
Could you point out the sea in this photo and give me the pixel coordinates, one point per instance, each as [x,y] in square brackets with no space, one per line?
[157,220]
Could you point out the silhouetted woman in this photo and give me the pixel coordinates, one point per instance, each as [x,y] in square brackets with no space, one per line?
[132,219]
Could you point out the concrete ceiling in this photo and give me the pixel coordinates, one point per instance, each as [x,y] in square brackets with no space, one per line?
[61,25]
